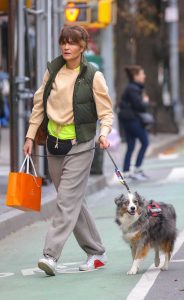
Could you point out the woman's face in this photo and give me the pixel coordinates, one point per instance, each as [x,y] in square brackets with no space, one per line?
[140,77]
[71,51]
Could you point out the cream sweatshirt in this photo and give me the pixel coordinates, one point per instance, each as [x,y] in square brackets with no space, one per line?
[60,102]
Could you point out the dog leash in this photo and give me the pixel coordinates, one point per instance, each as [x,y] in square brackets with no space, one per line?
[118,172]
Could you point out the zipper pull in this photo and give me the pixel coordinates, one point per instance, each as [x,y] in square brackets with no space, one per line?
[56,145]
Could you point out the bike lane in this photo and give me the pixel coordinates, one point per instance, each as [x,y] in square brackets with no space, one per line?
[20,251]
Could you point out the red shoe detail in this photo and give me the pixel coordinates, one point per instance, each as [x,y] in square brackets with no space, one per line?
[98,264]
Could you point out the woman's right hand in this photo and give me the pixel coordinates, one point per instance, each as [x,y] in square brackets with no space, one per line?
[28,146]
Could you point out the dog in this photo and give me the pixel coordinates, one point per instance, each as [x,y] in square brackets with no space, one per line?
[146,225]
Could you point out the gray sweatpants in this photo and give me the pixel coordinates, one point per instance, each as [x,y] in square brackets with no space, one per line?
[70,175]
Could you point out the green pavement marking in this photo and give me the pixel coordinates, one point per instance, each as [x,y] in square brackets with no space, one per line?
[21,251]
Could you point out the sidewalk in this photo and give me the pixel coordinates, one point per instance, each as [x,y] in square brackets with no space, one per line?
[12,219]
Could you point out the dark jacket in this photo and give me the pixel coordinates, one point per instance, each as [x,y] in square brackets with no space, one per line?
[132,102]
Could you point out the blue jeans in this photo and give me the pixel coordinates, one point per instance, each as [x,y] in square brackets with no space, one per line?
[134,130]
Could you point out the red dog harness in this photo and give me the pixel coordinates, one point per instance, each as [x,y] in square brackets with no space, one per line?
[153,209]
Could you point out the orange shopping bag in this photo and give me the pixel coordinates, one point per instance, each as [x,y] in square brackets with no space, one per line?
[24,189]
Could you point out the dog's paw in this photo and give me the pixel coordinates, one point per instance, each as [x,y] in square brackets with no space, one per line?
[164,268]
[132,271]
[157,261]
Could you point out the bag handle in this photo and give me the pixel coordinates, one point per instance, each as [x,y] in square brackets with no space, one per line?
[33,166]
[21,168]
[26,160]
[27,166]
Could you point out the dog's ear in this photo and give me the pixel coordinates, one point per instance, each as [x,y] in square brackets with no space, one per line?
[139,198]
[119,200]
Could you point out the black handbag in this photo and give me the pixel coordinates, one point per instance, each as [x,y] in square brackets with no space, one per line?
[56,146]
[146,118]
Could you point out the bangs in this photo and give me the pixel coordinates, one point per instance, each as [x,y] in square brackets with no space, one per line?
[69,35]
[75,34]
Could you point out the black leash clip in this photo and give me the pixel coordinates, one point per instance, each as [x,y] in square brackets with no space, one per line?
[118,173]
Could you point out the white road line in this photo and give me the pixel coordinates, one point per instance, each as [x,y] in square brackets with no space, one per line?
[65,268]
[175,175]
[30,271]
[177,260]
[163,156]
[72,263]
[143,286]
[6,274]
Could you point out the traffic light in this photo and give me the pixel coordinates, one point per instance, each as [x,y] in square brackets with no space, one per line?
[107,11]
[77,12]
[91,13]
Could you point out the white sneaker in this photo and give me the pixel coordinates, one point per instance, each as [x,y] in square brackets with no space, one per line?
[140,176]
[94,262]
[48,265]
[127,176]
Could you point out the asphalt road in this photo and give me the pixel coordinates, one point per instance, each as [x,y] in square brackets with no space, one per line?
[19,252]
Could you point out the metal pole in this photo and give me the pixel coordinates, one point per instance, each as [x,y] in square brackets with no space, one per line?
[61,14]
[40,42]
[21,73]
[172,17]
[56,28]
[41,62]
[49,30]
[58,23]
[107,37]
[11,69]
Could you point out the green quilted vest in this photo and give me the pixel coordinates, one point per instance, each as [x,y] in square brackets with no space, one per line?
[84,108]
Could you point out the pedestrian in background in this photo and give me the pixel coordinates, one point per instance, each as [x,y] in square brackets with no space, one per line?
[78,98]
[4,93]
[133,102]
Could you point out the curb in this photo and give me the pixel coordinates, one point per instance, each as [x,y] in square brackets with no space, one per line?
[160,148]
[16,219]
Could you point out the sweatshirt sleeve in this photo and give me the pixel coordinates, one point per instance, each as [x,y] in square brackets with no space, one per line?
[37,114]
[103,103]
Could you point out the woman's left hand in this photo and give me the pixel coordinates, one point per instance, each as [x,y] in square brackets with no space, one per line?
[104,143]
[146,98]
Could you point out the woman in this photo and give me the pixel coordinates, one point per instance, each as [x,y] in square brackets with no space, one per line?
[133,102]
[77,98]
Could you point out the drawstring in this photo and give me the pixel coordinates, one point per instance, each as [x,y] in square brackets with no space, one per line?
[56,145]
